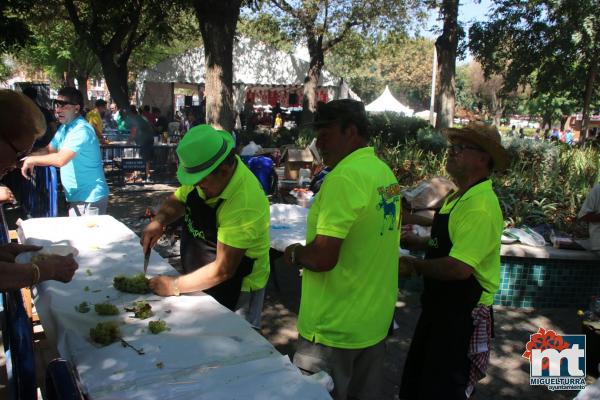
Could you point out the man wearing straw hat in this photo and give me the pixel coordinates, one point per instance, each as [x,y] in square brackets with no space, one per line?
[449,351]
[225,235]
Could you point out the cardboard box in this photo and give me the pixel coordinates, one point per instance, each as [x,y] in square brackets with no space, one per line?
[293,159]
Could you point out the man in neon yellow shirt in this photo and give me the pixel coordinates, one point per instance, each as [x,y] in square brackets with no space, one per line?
[94,117]
[350,278]
[449,351]
[225,235]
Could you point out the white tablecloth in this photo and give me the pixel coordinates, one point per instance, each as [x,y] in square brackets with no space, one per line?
[208,353]
[288,225]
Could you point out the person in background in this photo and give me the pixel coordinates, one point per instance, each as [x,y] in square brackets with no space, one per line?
[51,125]
[590,213]
[278,122]
[225,237]
[162,123]
[21,123]
[94,118]
[521,133]
[146,113]
[569,137]
[262,166]
[461,273]
[350,260]
[513,131]
[120,118]
[277,111]
[76,151]
[142,134]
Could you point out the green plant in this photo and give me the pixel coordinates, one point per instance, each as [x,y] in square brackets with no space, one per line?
[545,184]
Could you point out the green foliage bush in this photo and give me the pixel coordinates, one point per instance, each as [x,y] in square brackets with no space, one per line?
[393,128]
[546,183]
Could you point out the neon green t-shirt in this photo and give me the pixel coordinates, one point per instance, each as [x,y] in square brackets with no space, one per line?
[475,229]
[242,221]
[351,306]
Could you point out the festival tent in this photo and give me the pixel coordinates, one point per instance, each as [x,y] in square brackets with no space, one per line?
[387,102]
[261,73]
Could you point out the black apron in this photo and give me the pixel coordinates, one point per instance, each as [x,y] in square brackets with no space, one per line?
[199,248]
[437,366]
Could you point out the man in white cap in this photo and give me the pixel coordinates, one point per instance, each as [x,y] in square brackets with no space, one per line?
[449,351]
[225,236]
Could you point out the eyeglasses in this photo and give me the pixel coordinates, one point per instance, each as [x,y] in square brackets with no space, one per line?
[62,103]
[19,154]
[459,148]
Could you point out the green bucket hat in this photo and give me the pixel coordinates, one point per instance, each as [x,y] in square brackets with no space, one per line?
[200,151]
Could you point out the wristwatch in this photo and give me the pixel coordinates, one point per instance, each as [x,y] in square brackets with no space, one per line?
[293,258]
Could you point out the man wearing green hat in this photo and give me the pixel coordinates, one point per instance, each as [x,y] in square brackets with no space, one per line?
[225,235]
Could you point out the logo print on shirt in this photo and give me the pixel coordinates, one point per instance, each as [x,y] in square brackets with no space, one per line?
[198,234]
[389,200]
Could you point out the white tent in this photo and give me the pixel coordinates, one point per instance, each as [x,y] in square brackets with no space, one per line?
[387,102]
[255,64]
[425,115]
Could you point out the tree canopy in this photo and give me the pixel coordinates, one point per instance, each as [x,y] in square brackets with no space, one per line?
[323,24]
[552,46]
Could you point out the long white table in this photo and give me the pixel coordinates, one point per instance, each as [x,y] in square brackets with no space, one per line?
[209,352]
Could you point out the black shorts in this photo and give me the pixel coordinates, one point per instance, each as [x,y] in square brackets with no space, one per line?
[147,151]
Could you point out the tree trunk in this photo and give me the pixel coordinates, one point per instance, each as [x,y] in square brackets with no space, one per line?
[69,76]
[446,46]
[116,74]
[218,20]
[311,82]
[589,89]
[82,84]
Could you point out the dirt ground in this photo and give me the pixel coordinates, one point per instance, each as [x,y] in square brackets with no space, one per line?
[508,375]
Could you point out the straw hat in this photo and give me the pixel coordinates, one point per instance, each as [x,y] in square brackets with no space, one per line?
[485,136]
[200,152]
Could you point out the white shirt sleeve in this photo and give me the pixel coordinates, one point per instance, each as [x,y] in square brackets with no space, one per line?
[591,203]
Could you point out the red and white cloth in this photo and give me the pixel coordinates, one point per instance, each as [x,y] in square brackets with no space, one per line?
[480,345]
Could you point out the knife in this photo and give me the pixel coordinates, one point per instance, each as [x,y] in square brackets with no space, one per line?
[146,261]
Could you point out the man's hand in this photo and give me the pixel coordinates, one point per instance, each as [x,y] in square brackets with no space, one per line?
[27,168]
[9,251]
[287,254]
[58,268]
[6,195]
[153,231]
[411,241]
[163,285]
[406,266]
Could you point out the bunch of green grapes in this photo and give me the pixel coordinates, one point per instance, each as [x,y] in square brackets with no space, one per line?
[83,307]
[106,309]
[141,309]
[132,284]
[157,327]
[105,333]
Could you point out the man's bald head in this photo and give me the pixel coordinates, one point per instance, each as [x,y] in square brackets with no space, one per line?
[21,122]
[20,118]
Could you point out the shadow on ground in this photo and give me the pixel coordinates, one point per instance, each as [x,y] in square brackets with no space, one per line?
[508,375]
